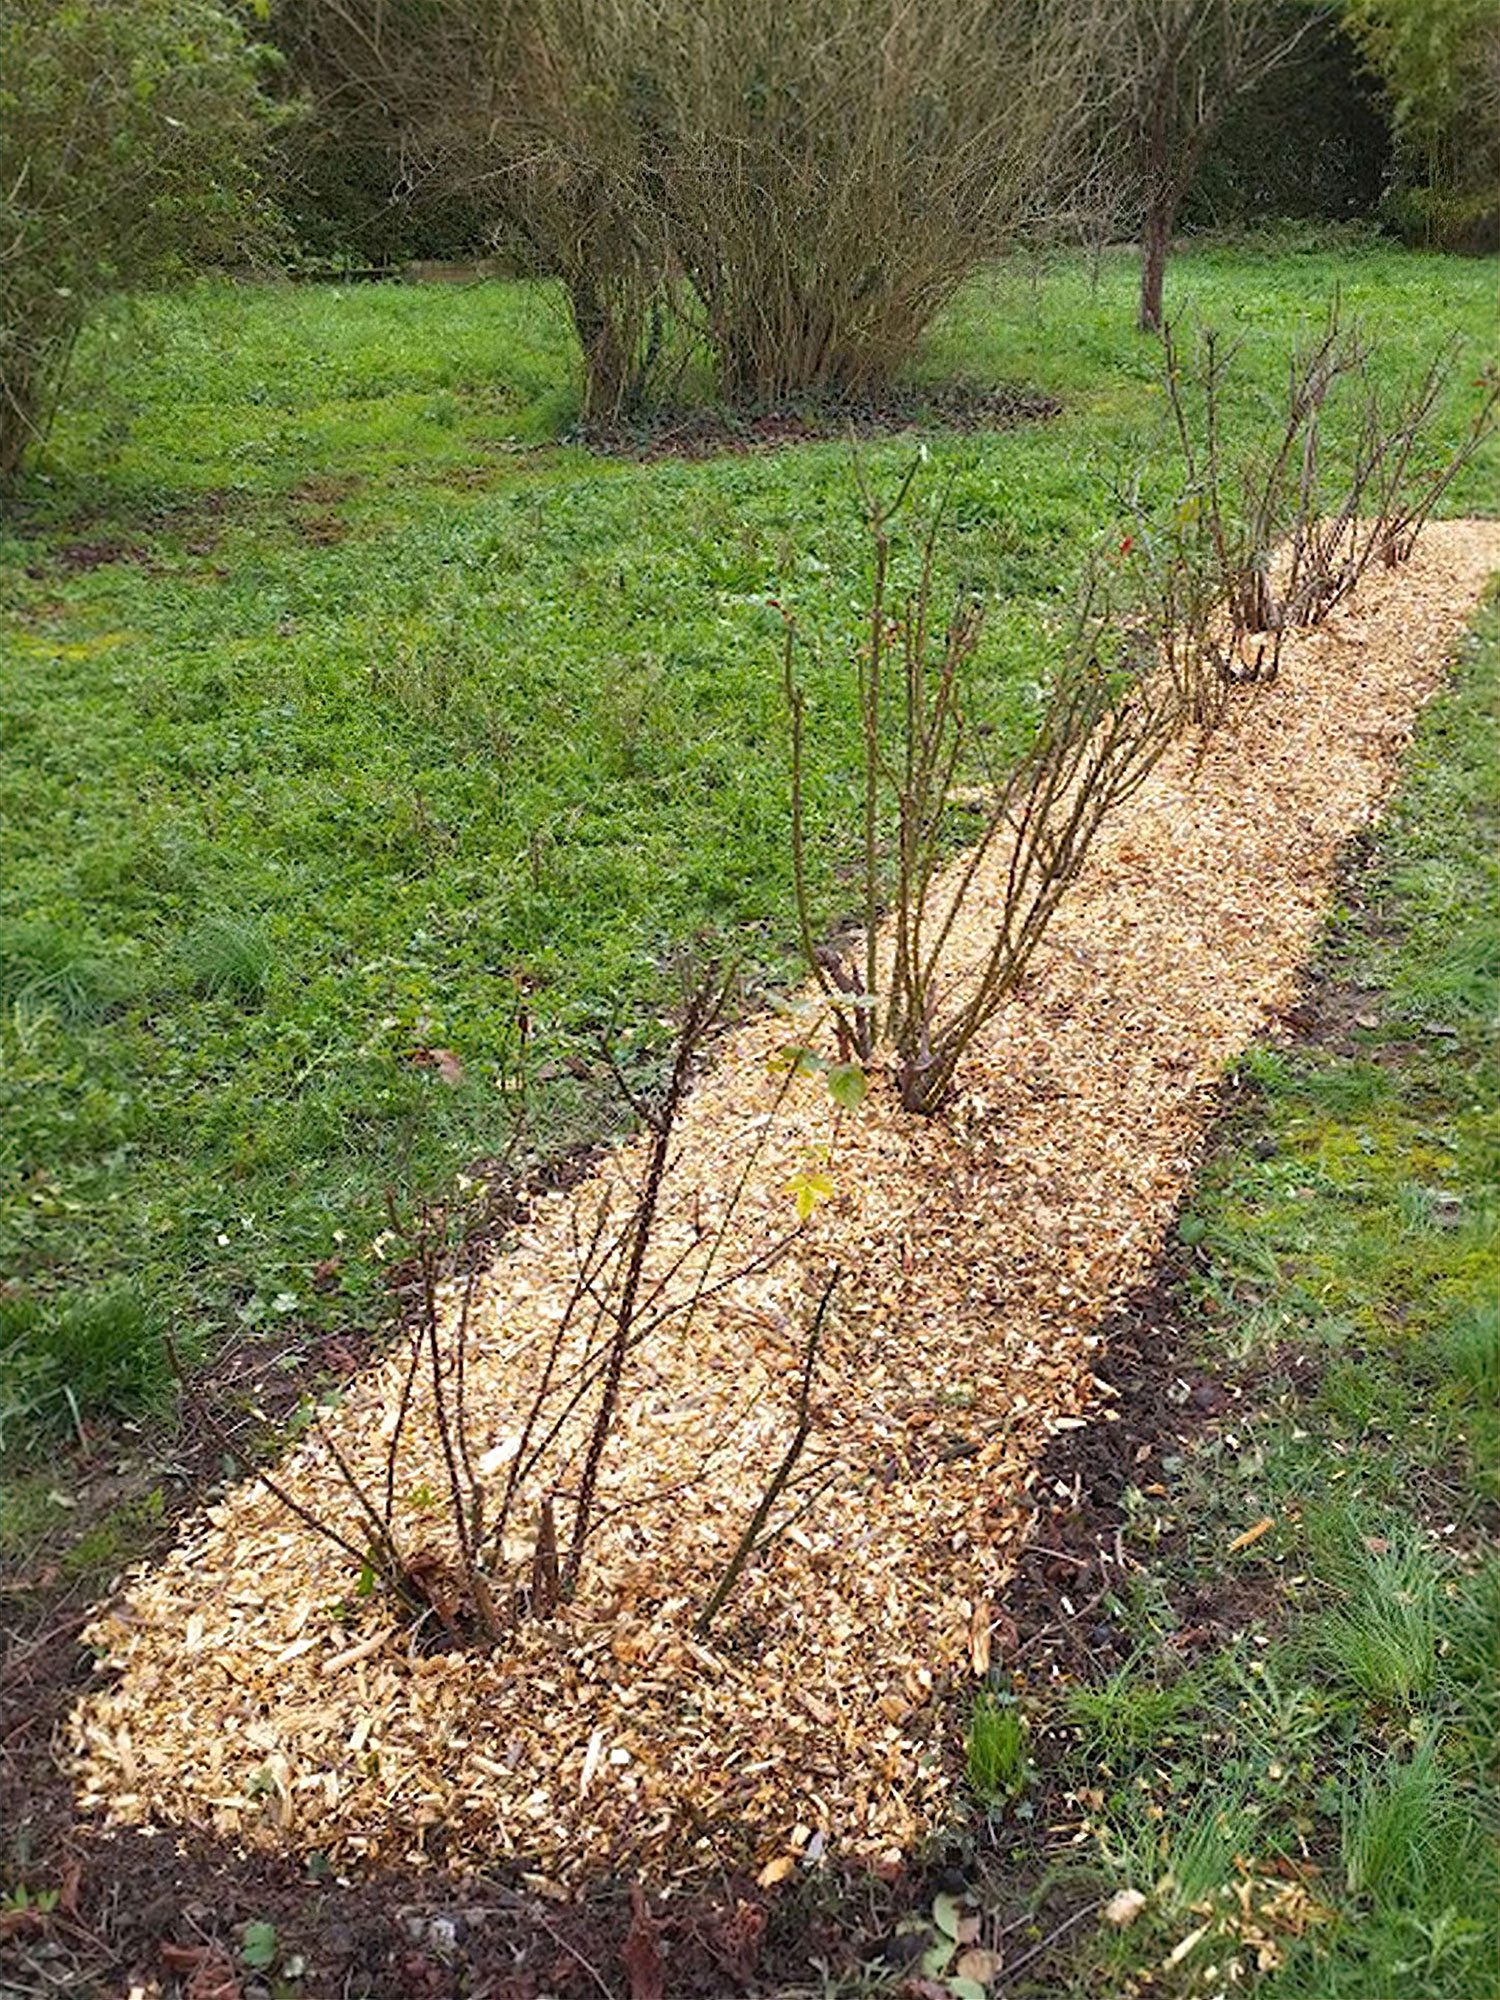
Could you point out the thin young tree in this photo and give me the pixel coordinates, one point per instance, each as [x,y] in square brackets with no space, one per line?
[1180,67]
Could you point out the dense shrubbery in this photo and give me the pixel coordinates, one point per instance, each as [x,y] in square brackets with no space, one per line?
[1438,63]
[783,194]
[1310,143]
[793,189]
[127,140]
[350,184]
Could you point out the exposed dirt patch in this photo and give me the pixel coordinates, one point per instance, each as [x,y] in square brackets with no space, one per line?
[1156,1405]
[316,501]
[705,433]
[77,557]
[324,531]
[325,490]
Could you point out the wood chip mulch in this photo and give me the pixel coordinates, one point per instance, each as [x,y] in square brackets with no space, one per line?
[252,1692]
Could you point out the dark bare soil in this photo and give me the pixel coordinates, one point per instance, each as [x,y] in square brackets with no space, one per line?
[706,432]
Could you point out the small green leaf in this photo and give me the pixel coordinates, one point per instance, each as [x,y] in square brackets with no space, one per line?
[809,1189]
[947,1915]
[799,1060]
[847,1085]
[937,1957]
[259,1948]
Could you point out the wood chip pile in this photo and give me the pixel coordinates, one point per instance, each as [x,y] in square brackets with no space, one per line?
[259,1695]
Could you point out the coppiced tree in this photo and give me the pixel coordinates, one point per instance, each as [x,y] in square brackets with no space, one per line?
[528,112]
[794,187]
[832,170]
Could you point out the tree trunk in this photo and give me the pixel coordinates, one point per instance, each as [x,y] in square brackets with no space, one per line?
[610,383]
[1156,241]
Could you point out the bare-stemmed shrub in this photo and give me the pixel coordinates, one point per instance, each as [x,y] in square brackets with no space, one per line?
[1194,604]
[539,1488]
[1116,701]
[1396,476]
[757,1533]
[1285,532]
[832,170]
[793,187]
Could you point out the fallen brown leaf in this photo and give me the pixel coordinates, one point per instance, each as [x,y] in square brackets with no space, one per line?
[776,1871]
[641,1952]
[206,1969]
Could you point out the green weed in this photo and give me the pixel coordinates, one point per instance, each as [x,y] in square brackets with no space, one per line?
[105,1347]
[999,1761]
[1403,1827]
[1132,1711]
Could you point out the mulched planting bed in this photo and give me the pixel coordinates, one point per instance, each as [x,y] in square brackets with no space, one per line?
[248,1704]
[259,1698]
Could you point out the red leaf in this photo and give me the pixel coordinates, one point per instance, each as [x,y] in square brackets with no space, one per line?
[736,1940]
[67,1895]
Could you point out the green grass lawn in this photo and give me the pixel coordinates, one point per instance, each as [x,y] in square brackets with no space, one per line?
[352,714]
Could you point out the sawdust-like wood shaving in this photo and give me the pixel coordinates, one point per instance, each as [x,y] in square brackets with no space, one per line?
[257,1695]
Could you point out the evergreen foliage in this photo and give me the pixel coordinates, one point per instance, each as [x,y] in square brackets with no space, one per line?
[128,137]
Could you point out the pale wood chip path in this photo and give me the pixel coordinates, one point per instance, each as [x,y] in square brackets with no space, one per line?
[979,1252]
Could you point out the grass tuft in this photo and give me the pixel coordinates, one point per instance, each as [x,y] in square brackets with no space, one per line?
[48,968]
[106,1346]
[1382,1640]
[228,958]
[999,1760]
